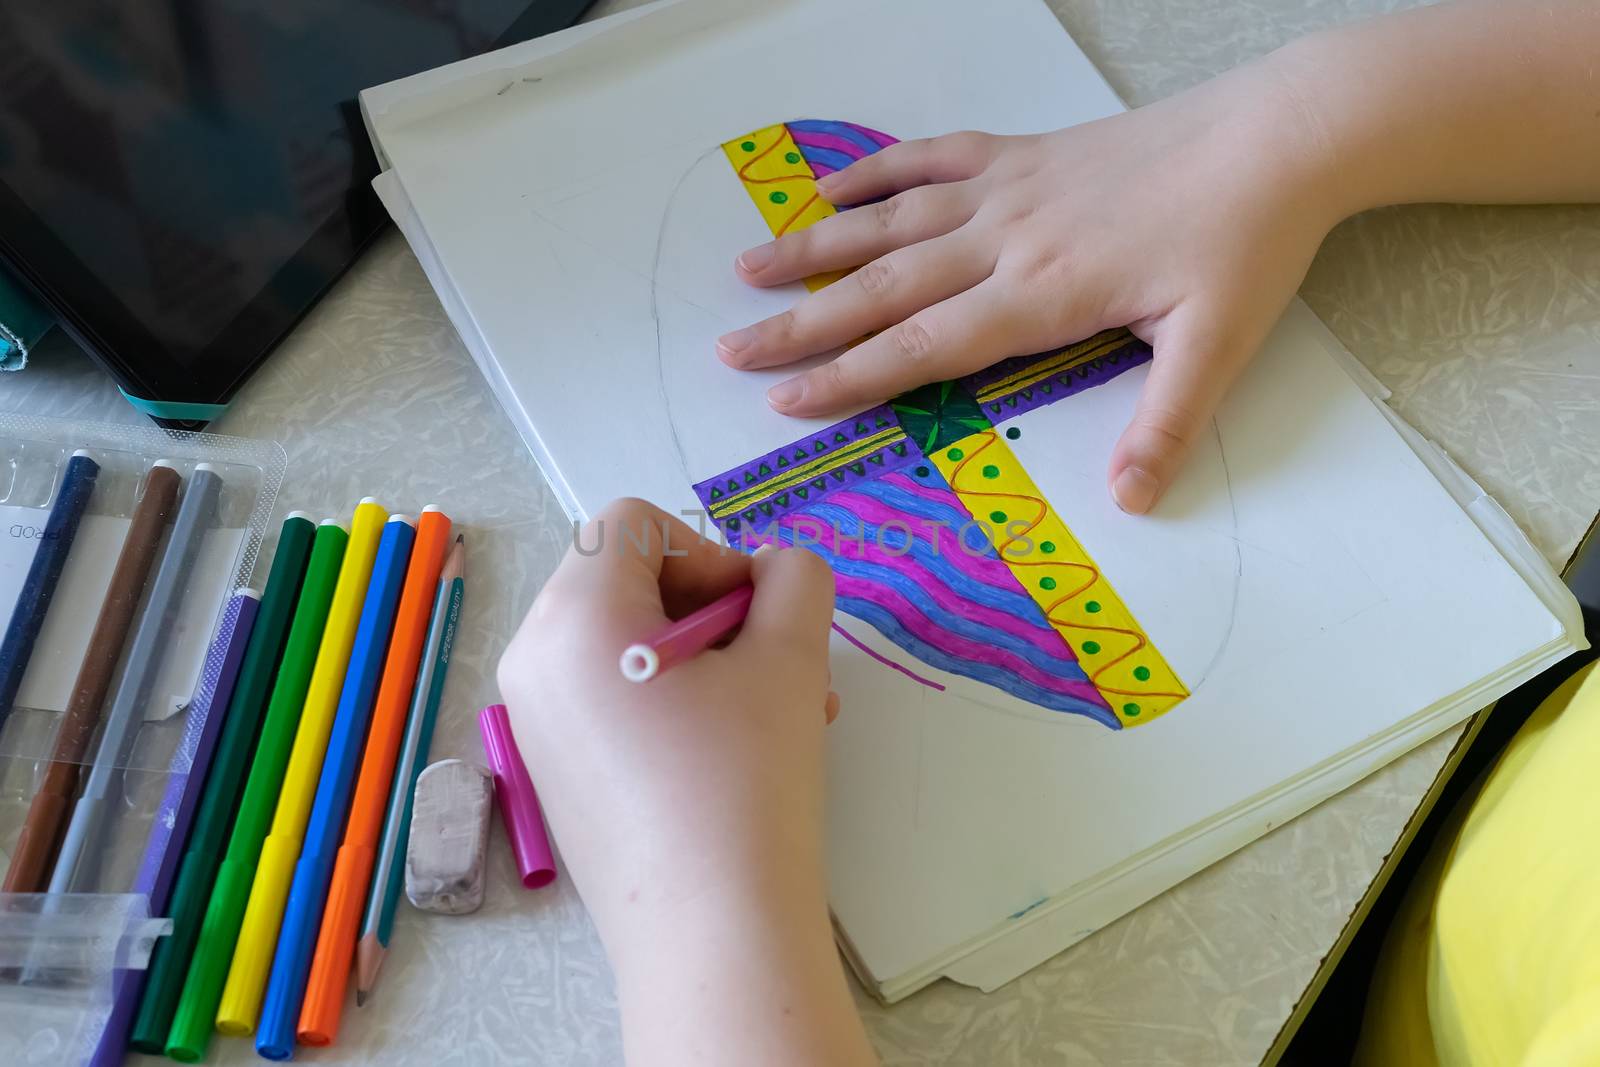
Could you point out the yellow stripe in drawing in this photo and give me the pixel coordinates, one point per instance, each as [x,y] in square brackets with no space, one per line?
[778,179]
[1058,574]
[821,465]
[1065,360]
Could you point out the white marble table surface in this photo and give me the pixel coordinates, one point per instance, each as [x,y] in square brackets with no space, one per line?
[1484,322]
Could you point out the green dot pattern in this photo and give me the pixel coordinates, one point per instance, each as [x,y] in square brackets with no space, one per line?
[1142,673]
[1092,607]
[991,471]
[778,197]
[922,472]
[748,146]
[1091,648]
[1013,433]
[955,455]
[791,157]
[997,517]
[1047,583]
[1130,710]
[1047,547]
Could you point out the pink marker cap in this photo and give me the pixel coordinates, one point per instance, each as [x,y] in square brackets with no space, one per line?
[519,804]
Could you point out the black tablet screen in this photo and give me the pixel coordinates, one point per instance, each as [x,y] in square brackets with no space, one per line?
[183,179]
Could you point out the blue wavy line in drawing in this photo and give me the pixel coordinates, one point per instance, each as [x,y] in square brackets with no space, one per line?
[885,623]
[939,567]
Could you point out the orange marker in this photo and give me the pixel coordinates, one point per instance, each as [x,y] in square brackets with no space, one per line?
[352,870]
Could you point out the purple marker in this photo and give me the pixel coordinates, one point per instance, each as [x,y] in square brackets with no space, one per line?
[184,786]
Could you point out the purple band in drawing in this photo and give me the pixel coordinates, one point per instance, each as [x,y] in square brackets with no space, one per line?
[750,496]
[1036,391]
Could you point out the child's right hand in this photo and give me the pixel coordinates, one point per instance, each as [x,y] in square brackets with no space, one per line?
[689,809]
[1191,221]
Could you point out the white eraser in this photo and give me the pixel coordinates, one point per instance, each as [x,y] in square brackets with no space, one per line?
[449,845]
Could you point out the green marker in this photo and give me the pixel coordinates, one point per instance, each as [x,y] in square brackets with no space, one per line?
[224,782]
[195,1017]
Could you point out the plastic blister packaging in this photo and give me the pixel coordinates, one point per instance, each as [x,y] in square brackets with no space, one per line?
[114,616]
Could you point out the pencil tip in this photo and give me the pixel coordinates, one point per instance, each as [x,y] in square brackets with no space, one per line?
[361,999]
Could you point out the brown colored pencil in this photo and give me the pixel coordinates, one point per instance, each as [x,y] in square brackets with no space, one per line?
[36,846]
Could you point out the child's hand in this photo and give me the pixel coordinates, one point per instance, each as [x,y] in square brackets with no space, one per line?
[1191,221]
[689,808]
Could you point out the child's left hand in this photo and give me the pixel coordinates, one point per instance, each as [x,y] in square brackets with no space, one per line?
[1190,221]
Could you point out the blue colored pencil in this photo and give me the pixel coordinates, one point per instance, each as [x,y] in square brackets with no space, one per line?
[302,917]
[33,601]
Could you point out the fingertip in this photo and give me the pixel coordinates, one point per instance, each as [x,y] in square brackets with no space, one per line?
[1135,490]
[753,261]
[830,708]
[786,396]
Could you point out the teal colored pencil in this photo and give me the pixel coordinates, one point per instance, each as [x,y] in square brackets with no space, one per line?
[388,873]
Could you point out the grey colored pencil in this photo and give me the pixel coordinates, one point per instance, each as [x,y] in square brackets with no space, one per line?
[75,864]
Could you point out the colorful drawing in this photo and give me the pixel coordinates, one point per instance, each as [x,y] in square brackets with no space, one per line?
[937,535]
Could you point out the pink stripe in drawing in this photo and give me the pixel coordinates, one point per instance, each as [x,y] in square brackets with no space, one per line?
[1045,640]
[954,644]
[987,569]
[883,139]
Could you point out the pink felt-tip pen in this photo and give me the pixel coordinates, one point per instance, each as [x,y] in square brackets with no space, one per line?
[519,804]
[688,637]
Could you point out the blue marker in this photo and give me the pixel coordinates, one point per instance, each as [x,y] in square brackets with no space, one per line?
[302,917]
[43,573]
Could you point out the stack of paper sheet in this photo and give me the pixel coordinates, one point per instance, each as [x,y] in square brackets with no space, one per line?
[1037,741]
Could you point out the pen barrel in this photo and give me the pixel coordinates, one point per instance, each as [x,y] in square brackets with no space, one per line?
[75,864]
[280,1012]
[336,945]
[519,803]
[258,935]
[36,844]
[196,1015]
[170,962]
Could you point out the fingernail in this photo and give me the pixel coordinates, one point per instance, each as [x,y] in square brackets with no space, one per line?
[766,546]
[758,258]
[737,341]
[827,181]
[1134,490]
[785,393]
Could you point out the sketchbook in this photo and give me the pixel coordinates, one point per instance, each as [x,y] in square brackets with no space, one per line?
[1054,711]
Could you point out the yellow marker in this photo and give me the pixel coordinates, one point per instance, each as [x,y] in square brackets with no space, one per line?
[1058,574]
[258,936]
[778,179]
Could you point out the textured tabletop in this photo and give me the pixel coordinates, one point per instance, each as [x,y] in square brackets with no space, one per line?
[1484,322]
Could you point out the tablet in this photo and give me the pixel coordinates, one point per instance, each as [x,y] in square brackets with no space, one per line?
[181,182]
